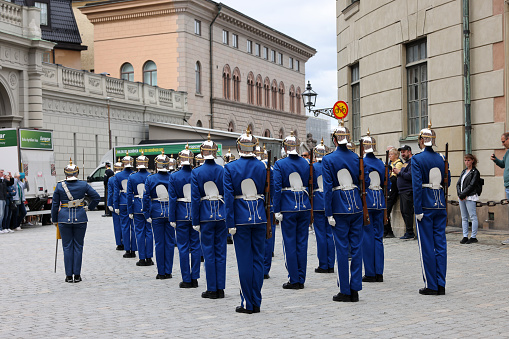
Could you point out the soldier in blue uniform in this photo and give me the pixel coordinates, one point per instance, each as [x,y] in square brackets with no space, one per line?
[68,212]
[143,229]
[292,209]
[343,209]
[188,239]
[244,185]
[428,172]
[117,229]
[323,231]
[207,210]
[156,211]
[372,240]
[229,157]
[120,204]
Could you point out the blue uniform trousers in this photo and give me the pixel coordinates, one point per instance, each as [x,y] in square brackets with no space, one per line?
[144,236]
[164,236]
[269,248]
[324,241]
[213,244]
[117,229]
[128,234]
[372,244]
[295,230]
[73,237]
[348,232]
[433,247]
[188,243]
[249,241]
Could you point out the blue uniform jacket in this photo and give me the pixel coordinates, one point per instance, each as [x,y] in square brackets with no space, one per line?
[134,200]
[206,210]
[241,211]
[375,199]
[180,210]
[120,194]
[287,200]
[424,197]
[111,190]
[73,215]
[317,194]
[154,208]
[339,201]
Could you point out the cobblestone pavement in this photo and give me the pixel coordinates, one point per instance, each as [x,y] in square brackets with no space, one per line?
[117,298]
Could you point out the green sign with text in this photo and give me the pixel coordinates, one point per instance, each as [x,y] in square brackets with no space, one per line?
[8,138]
[34,139]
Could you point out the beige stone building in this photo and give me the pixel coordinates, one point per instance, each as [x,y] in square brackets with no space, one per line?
[236,70]
[401,65]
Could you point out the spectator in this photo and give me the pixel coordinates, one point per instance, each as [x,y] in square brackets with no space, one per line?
[406,198]
[305,155]
[4,182]
[10,206]
[504,163]
[19,199]
[395,162]
[467,193]
[107,175]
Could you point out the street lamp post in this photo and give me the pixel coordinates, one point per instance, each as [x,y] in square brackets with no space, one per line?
[109,122]
[309,98]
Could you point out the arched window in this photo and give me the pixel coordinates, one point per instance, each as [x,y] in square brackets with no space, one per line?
[274,94]
[197,69]
[127,72]
[266,133]
[299,100]
[150,73]
[281,133]
[250,88]
[199,124]
[251,128]
[231,127]
[227,76]
[281,96]
[292,99]
[266,90]
[236,84]
[258,90]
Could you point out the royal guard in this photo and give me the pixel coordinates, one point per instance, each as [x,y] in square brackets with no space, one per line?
[229,157]
[292,209]
[372,240]
[117,228]
[70,216]
[199,159]
[244,185]
[343,209]
[323,230]
[143,229]
[188,239]
[207,206]
[428,180]
[120,204]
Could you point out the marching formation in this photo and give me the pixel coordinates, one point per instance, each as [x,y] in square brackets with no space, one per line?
[342,194]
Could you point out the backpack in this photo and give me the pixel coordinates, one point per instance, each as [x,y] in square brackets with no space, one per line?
[479,185]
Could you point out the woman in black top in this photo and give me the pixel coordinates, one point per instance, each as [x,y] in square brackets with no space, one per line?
[467,194]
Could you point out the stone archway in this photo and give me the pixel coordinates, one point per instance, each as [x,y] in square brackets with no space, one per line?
[5,100]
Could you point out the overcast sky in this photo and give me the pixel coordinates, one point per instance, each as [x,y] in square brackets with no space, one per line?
[311,22]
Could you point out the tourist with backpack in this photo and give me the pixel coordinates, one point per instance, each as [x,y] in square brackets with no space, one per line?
[468,188]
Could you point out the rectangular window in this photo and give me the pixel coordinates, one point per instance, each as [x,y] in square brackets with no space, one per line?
[272,55]
[417,86]
[249,46]
[280,58]
[265,53]
[257,50]
[290,63]
[44,12]
[235,40]
[46,57]
[225,37]
[356,102]
[197,27]
[297,65]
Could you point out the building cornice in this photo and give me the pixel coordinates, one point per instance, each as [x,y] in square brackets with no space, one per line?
[137,15]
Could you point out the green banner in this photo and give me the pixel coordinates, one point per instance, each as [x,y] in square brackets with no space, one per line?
[8,138]
[34,139]
[135,151]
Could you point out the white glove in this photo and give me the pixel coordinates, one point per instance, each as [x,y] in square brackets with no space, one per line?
[197,228]
[117,211]
[131,216]
[232,230]
[149,220]
[173,224]
[332,221]
[86,208]
[419,216]
[110,208]
[278,216]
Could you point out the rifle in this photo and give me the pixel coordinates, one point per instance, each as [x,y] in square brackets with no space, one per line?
[365,212]
[310,185]
[446,179]
[386,186]
[56,248]
[268,234]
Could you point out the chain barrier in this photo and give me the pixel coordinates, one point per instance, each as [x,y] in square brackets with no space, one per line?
[489,203]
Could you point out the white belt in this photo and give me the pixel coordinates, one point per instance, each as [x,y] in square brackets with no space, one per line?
[318,190]
[249,197]
[375,187]
[139,196]
[344,187]
[184,200]
[212,198]
[161,199]
[293,189]
[123,191]
[432,186]
[74,203]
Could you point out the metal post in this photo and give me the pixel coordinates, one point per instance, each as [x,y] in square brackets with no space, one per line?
[466,76]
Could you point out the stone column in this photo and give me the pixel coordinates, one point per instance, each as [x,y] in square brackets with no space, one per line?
[34,100]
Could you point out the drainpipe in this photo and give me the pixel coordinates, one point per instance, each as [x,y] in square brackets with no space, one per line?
[219,7]
[466,76]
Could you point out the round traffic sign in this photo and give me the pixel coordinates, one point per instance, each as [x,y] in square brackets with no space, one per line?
[340,109]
